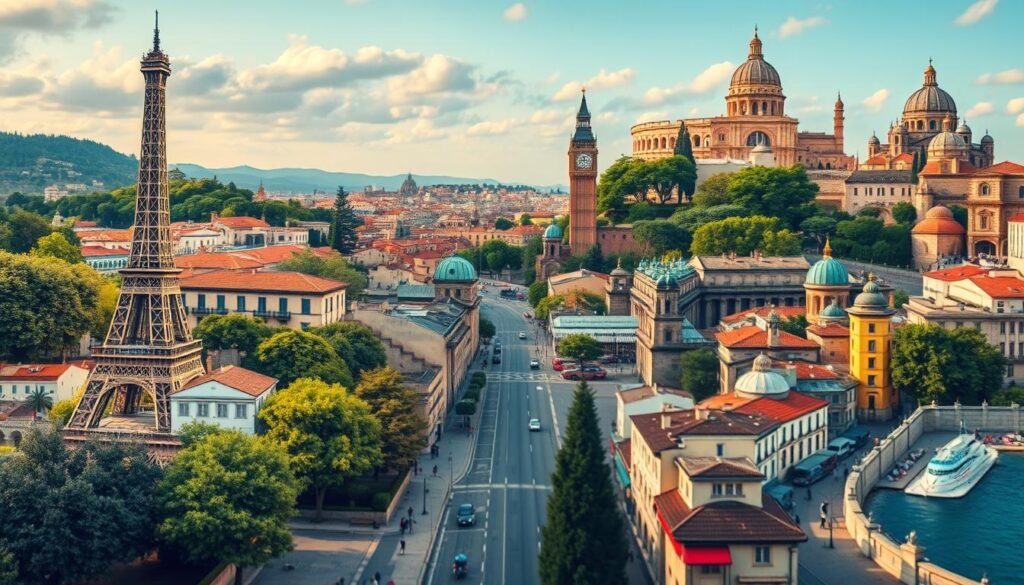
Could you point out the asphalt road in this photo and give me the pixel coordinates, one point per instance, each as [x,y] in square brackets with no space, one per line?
[509,479]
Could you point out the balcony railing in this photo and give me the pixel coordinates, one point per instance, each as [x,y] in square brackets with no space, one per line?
[281,315]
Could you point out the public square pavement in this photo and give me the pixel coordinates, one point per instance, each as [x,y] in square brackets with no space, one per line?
[320,558]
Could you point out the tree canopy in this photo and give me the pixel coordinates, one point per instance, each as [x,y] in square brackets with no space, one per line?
[592,259]
[930,362]
[228,498]
[904,212]
[55,245]
[487,328]
[783,192]
[356,344]
[332,266]
[536,292]
[580,346]
[504,223]
[743,235]
[402,429]
[713,191]
[343,225]
[330,434]
[699,373]
[289,355]
[660,236]
[584,538]
[234,331]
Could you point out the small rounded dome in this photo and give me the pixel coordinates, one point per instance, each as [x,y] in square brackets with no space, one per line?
[761,381]
[963,128]
[455,269]
[873,139]
[871,297]
[986,139]
[755,70]
[939,220]
[946,145]
[553,232]
[833,310]
[828,271]
[619,270]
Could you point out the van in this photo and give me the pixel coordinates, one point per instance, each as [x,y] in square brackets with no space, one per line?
[859,435]
[842,447]
[814,467]
[783,494]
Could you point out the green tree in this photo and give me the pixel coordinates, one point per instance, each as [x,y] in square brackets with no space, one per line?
[402,429]
[8,568]
[525,219]
[699,374]
[797,325]
[545,305]
[584,538]
[356,344]
[196,432]
[684,148]
[593,260]
[930,363]
[108,291]
[900,297]
[1009,396]
[228,498]
[332,266]
[713,191]
[97,500]
[666,177]
[783,192]
[533,248]
[618,184]
[580,346]
[487,328]
[691,217]
[62,410]
[904,212]
[289,355]
[819,227]
[47,305]
[26,229]
[55,245]
[235,331]
[343,228]
[504,223]
[330,434]
[536,292]
[660,236]
[872,212]
[743,235]
[39,400]
[959,214]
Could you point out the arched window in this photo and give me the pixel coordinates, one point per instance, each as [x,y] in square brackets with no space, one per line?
[764,108]
[758,137]
[696,141]
[773,108]
[707,141]
[897,138]
[754,110]
[828,166]
[920,125]
[663,142]
[984,189]
[672,142]
[1020,192]
[983,220]
[931,124]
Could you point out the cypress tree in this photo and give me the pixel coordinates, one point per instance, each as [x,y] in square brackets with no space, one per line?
[593,260]
[683,145]
[343,227]
[584,539]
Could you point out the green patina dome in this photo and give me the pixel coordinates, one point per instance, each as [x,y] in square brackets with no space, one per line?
[833,310]
[871,297]
[454,269]
[828,271]
[553,232]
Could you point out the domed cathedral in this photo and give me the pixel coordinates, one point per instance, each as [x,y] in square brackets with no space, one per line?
[928,113]
[935,238]
[755,115]
[409,187]
[827,283]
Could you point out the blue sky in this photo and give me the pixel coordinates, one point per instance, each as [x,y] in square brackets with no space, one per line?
[484,88]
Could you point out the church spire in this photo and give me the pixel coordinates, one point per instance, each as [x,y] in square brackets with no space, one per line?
[583,131]
[755,47]
[827,251]
[929,74]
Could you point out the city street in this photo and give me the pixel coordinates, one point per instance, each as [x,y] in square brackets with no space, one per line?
[509,479]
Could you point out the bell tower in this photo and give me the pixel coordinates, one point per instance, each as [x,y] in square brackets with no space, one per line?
[582,183]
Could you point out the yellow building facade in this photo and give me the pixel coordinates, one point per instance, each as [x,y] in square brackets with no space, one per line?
[871,352]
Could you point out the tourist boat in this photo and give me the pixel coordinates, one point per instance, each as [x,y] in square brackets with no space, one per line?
[956,468]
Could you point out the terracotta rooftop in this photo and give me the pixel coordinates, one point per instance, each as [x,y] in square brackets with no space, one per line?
[719,467]
[878,159]
[1000,286]
[218,260]
[726,521]
[934,168]
[688,422]
[97,251]
[792,407]
[239,280]
[956,273]
[241,222]
[241,379]
[784,313]
[29,372]
[275,254]
[634,394]
[830,330]
[1003,168]
[806,371]
[753,336]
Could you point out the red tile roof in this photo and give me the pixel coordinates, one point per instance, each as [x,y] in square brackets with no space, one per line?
[753,336]
[830,330]
[634,394]
[904,157]
[933,168]
[1003,168]
[625,450]
[218,260]
[29,372]
[726,521]
[719,467]
[878,159]
[97,251]
[1017,217]
[956,273]
[1000,286]
[107,235]
[273,254]
[241,222]
[241,379]
[784,313]
[792,407]
[690,422]
[285,282]
[806,371]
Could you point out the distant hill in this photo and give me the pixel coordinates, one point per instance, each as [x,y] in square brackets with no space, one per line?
[31,163]
[306,180]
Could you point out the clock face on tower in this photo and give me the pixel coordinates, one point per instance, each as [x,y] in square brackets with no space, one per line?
[584,161]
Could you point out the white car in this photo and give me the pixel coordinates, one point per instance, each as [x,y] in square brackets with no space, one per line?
[522,335]
[534,424]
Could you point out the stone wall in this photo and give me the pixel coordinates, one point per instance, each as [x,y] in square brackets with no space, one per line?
[906,561]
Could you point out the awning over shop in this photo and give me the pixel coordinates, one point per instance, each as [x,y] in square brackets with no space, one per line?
[706,555]
[621,471]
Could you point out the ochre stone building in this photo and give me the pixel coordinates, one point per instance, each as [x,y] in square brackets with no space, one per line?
[755,115]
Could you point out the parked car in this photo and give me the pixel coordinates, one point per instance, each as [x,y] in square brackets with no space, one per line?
[814,467]
[467,515]
[528,314]
[858,435]
[534,424]
[496,359]
[842,447]
[586,373]
[535,364]
[522,335]
[565,365]
[608,359]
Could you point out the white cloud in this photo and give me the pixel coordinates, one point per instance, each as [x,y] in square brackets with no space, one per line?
[552,78]
[1020,120]
[417,131]
[550,116]
[206,76]
[489,128]
[980,109]
[48,18]
[1007,77]
[794,26]
[976,12]
[603,80]
[875,101]
[707,80]
[1015,106]
[515,13]
[105,82]
[652,116]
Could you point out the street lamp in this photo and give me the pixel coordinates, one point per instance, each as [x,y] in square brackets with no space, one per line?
[424,495]
[451,472]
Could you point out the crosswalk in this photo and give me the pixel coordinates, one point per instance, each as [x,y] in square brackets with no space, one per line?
[522,376]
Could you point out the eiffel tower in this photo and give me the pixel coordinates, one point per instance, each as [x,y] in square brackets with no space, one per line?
[149,350]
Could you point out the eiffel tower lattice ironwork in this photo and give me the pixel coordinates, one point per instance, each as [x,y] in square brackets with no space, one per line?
[149,350]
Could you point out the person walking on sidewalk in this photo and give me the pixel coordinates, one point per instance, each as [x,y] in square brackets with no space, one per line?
[435,471]
[401,545]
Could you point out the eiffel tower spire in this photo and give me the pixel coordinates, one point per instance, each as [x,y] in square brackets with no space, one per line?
[149,349]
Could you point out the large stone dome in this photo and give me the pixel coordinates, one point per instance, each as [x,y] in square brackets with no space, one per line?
[930,98]
[761,381]
[939,220]
[755,70]
[946,145]
[455,269]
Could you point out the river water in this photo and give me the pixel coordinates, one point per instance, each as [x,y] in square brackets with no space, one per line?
[978,534]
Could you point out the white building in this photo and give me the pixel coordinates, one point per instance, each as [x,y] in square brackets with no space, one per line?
[646,400]
[60,381]
[229,397]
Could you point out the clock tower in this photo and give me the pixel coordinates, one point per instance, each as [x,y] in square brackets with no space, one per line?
[582,183]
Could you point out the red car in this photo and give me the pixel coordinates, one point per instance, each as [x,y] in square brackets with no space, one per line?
[609,359]
[563,364]
[587,373]
[527,315]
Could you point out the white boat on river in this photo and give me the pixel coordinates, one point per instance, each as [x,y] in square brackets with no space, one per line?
[956,468]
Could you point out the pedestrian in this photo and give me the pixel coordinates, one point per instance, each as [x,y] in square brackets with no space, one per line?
[401,545]
[376,578]
[401,526]
[835,474]
[410,509]
[822,520]
[435,471]
[808,498]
